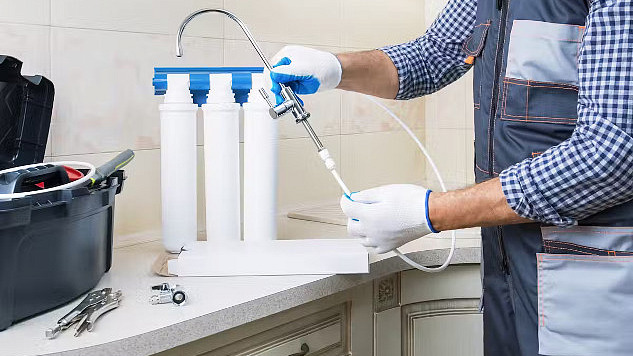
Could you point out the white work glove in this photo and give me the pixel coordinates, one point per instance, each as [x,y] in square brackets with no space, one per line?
[305,70]
[387,217]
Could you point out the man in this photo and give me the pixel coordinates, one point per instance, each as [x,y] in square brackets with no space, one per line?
[553,146]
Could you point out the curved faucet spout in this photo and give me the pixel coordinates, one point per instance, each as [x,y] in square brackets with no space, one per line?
[230,15]
[291,102]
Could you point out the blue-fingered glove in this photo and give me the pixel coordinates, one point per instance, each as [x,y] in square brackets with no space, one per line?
[305,70]
[387,217]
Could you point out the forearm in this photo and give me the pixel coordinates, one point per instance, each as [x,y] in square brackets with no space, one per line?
[369,72]
[480,205]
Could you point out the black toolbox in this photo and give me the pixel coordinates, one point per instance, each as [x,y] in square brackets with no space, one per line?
[54,247]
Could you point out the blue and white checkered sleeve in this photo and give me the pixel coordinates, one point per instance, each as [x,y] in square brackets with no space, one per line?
[593,170]
[431,62]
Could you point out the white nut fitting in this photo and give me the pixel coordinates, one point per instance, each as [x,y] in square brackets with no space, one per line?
[329,162]
[178,89]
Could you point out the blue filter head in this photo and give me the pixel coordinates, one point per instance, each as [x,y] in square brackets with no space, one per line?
[200,84]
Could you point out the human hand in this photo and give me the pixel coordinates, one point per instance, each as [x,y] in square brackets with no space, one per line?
[387,217]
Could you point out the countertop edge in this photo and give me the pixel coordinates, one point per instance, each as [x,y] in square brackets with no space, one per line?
[207,325]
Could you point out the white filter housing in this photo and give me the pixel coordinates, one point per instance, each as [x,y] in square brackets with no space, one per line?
[178,164]
[222,161]
[261,135]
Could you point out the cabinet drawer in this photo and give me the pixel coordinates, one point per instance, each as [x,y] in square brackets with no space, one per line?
[326,333]
[323,338]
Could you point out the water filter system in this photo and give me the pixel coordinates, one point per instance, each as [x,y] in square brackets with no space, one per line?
[258,208]
[219,94]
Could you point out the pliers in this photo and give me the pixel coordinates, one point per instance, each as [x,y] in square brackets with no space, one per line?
[87,312]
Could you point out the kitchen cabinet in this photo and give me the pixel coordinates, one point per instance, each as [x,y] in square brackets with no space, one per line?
[409,313]
[324,326]
[437,314]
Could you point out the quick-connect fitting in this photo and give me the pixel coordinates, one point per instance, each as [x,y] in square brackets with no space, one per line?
[327,159]
[331,166]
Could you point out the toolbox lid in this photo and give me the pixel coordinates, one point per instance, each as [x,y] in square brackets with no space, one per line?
[26,104]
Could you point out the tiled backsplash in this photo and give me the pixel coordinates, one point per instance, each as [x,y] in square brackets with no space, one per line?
[449,134]
[101,55]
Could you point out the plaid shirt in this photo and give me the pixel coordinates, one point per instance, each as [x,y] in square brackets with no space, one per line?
[593,169]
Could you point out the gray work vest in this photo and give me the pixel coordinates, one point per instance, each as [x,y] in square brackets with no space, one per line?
[574,285]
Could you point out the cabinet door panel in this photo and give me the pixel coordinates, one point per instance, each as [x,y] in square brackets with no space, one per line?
[448,335]
[442,327]
[388,340]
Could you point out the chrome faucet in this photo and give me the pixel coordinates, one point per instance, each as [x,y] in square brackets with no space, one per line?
[291,102]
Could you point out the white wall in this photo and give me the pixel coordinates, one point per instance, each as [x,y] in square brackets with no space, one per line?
[101,55]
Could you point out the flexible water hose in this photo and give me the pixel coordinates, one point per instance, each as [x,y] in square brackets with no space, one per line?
[84,179]
[408,130]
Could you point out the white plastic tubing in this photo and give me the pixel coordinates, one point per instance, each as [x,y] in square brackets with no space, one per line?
[72,184]
[426,154]
[221,164]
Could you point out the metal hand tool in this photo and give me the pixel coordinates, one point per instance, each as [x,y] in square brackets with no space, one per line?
[94,305]
[106,170]
[94,312]
[78,312]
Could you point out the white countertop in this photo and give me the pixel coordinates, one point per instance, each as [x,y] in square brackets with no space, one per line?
[215,304]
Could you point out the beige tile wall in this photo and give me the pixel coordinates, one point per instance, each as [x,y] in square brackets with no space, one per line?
[101,55]
[449,126]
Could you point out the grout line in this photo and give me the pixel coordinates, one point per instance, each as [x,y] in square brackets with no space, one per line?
[201,145]
[300,43]
[399,130]
[340,150]
[340,20]
[158,148]
[127,31]
[223,21]
[23,24]
[51,131]
[103,152]
[286,43]
[223,35]
[340,131]
[223,45]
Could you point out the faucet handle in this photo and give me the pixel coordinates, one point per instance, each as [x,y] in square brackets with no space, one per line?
[266,97]
[276,111]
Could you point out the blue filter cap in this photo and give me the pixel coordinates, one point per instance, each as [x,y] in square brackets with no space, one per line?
[199,81]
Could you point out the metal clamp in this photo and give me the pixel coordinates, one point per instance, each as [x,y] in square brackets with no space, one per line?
[167,294]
